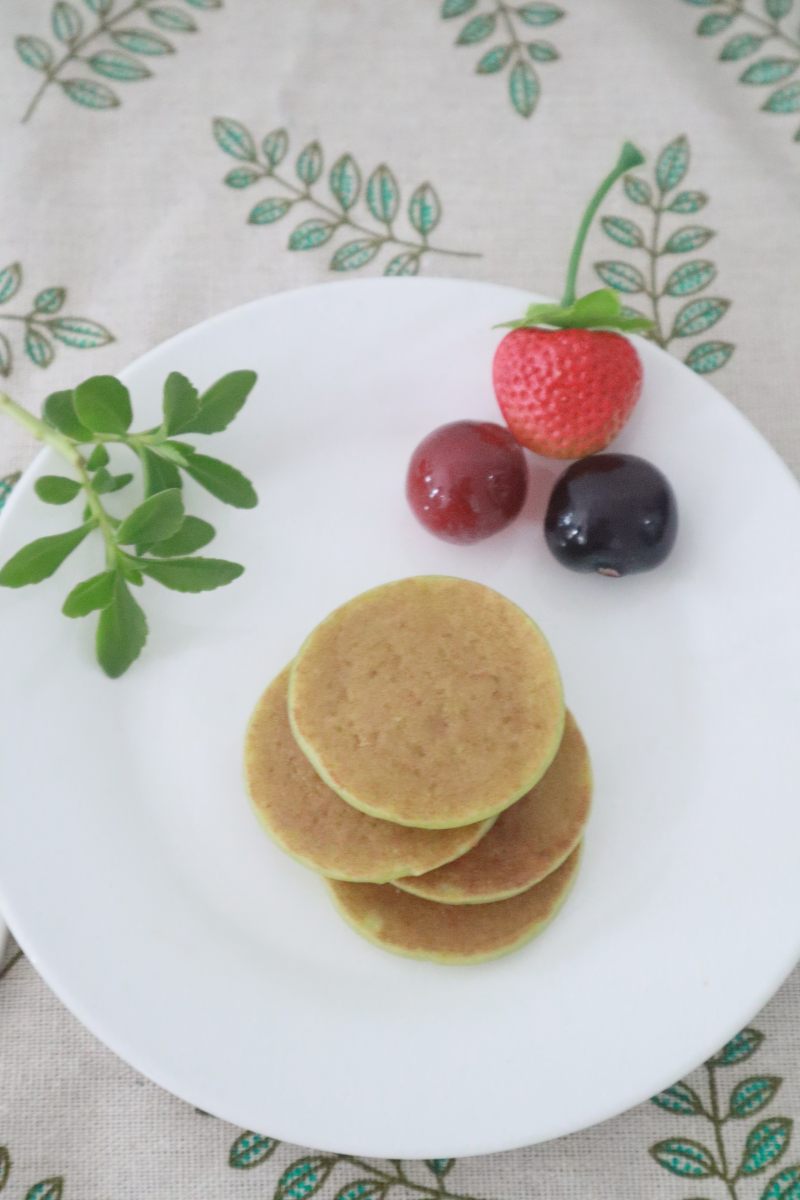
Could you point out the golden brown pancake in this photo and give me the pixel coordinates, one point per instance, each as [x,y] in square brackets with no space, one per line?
[452,933]
[527,841]
[315,826]
[432,702]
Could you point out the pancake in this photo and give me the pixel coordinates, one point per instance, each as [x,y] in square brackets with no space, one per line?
[452,933]
[315,826]
[432,702]
[527,841]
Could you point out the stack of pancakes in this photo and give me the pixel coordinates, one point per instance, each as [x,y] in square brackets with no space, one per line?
[417,753]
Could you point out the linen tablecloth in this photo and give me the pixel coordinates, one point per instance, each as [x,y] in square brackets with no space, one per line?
[135,139]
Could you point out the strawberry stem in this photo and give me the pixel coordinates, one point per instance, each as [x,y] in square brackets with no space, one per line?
[629,157]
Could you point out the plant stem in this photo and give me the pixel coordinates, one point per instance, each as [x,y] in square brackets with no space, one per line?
[717,1121]
[345,219]
[389,1178]
[69,451]
[773,28]
[629,157]
[51,75]
[12,962]
[505,17]
[657,333]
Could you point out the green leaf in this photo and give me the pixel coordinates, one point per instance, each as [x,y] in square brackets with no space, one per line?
[690,237]
[406,263]
[784,1186]
[424,209]
[48,1189]
[154,520]
[738,1049]
[191,574]
[456,8]
[10,282]
[311,233]
[689,278]
[98,457]
[542,51]
[89,94]
[714,23]
[222,481]
[275,146]
[309,163]
[66,22]
[50,300]
[232,137]
[38,348]
[709,356]
[159,475]
[6,357]
[699,315]
[363,1189]
[740,46]
[103,404]
[684,1157]
[175,452]
[440,1166]
[540,14]
[219,404]
[778,9]
[34,52]
[59,411]
[101,7]
[172,19]
[5,1166]
[79,332]
[41,558]
[621,230]
[90,595]
[784,100]
[621,276]
[113,64]
[121,631]
[672,164]
[180,403]
[355,254]
[141,41]
[104,482]
[383,194]
[680,1099]
[523,88]
[765,1144]
[345,181]
[476,29]
[753,1094]
[269,210]
[242,177]
[56,489]
[596,310]
[305,1176]
[192,535]
[250,1150]
[769,70]
[493,60]
[688,202]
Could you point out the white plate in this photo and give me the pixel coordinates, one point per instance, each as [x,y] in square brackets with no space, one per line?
[138,881]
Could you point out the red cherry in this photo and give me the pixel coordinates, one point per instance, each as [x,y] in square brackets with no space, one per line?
[467,480]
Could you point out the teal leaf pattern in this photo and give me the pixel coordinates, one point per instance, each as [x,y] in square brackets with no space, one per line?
[666,198]
[784,1186]
[105,45]
[250,1150]
[40,326]
[765,1145]
[754,25]
[685,1157]
[681,1099]
[48,1189]
[512,51]
[304,1177]
[739,1048]
[753,1094]
[367,213]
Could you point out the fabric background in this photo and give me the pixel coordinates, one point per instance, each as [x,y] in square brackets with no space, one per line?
[126,208]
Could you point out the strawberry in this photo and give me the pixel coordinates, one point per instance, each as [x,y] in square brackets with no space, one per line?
[565,378]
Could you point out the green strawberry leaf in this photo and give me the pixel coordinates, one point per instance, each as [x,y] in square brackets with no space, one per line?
[601,309]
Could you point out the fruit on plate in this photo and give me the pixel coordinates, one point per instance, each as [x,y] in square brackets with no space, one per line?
[467,480]
[565,377]
[612,513]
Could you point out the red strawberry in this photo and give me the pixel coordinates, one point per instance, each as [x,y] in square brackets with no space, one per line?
[565,378]
[566,393]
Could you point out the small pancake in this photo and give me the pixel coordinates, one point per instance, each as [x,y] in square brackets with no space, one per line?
[452,933]
[432,702]
[315,826]
[527,841]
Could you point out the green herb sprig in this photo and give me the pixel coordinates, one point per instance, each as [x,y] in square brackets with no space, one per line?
[157,540]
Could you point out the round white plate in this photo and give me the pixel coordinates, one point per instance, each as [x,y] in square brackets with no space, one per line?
[141,886]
